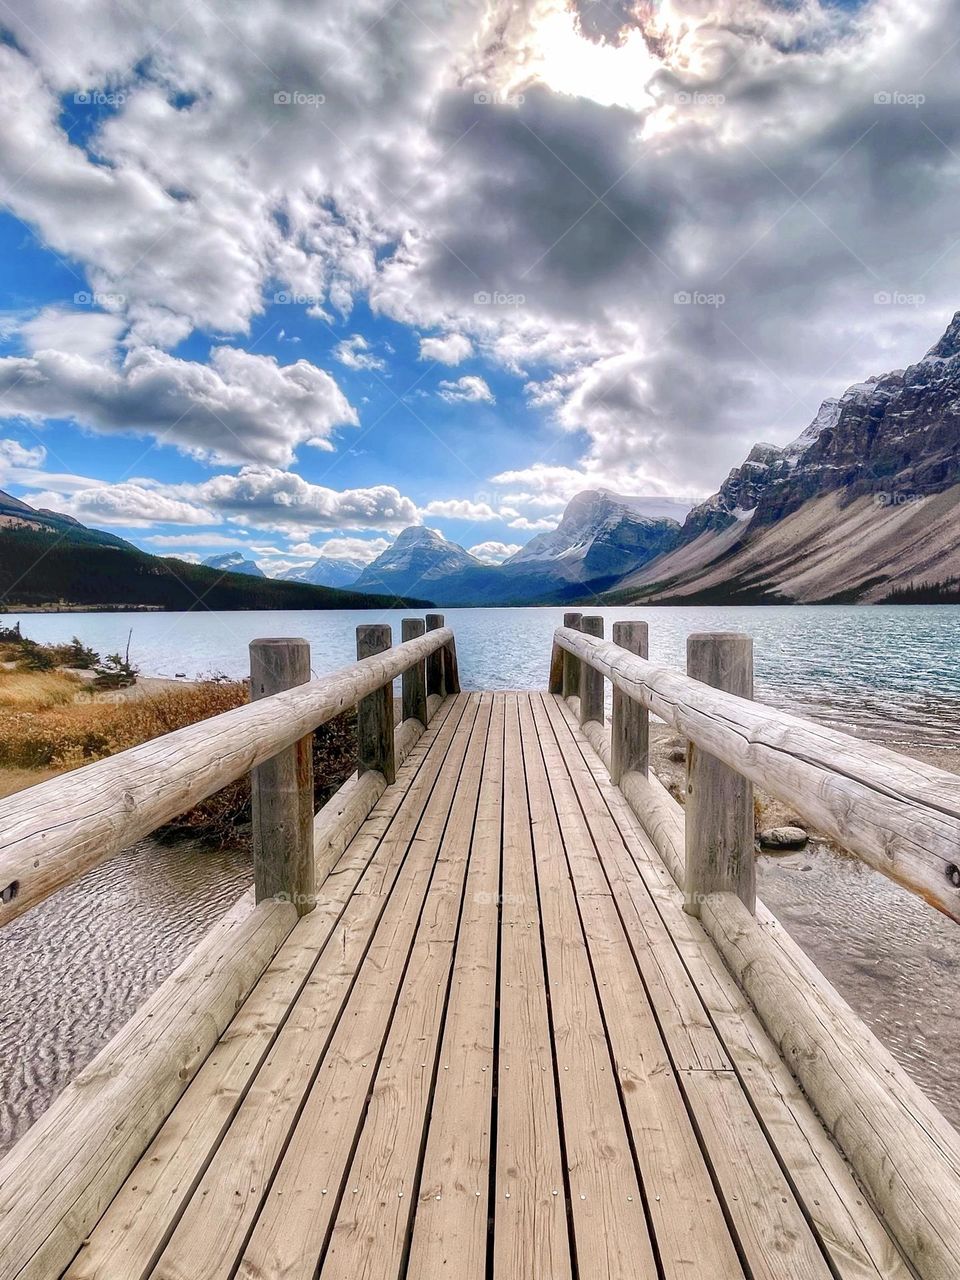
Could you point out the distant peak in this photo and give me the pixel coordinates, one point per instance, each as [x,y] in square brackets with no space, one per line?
[949,344]
[417,533]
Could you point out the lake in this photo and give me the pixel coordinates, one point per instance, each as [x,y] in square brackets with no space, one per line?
[891,669]
[83,961]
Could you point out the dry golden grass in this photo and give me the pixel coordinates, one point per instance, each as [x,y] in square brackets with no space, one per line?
[37,690]
[38,741]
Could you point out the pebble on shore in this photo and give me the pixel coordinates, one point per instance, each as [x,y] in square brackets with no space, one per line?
[776,838]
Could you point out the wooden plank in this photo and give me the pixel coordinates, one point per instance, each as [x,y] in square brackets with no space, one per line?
[855,1240]
[53,832]
[336,824]
[371,1229]
[450,1226]
[904,1152]
[900,815]
[531,1236]
[129,1237]
[61,1175]
[719,820]
[215,1224]
[610,1227]
[435,664]
[282,787]
[693,1241]
[290,1231]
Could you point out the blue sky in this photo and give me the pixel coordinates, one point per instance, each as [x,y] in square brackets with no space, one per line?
[288,282]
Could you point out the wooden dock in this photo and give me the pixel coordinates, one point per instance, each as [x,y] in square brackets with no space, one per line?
[496,1040]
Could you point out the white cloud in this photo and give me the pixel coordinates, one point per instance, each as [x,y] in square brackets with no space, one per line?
[364,549]
[470,388]
[14,454]
[451,349]
[198,539]
[127,504]
[91,334]
[355,353]
[460,509]
[275,499]
[494,552]
[534,526]
[239,408]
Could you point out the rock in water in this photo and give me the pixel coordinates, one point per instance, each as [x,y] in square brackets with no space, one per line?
[779,838]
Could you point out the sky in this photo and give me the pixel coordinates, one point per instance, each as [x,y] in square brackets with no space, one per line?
[288,277]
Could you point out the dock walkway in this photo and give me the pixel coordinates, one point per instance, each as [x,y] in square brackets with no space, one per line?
[497,1048]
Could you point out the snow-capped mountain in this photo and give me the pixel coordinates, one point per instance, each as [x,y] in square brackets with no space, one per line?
[865,502]
[417,561]
[234,562]
[327,571]
[601,535]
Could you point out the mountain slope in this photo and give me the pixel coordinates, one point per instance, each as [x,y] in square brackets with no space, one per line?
[235,562]
[601,535]
[860,506]
[49,559]
[327,571]
[419,560]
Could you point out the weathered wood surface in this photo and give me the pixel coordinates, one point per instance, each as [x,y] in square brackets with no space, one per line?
[902,817]
[435,664]
[591,682]
[719,820]
[415,677]
[375,715]
[904,1152]
[570,679]
[345,812]
[63,1173]
[629,722]
[498,1049]
[282,787]
[55,831]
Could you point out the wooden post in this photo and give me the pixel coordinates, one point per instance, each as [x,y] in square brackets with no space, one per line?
[415,679]
[571,665]
[282,787]
[591,681]
[555,682]
[451,670]
[630,730]
[719,823]
[375,741]
[435,661]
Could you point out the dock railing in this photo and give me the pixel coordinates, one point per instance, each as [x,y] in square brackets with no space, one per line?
[54,832]
[900,816]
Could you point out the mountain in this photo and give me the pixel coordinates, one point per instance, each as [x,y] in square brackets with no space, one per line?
[327,571]
[423,561]
[600,537]
[48,559]
[235,562]
[864,505]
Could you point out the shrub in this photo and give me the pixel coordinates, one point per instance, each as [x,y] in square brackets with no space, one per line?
[35,657]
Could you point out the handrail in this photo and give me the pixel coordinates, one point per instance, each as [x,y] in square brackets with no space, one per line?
[55,831]
[900,816]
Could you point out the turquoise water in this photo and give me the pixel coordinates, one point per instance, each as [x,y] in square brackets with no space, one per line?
[894,670]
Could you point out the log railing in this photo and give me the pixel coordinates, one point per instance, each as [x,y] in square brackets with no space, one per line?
[897,814]
[55,831]
[900,816]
